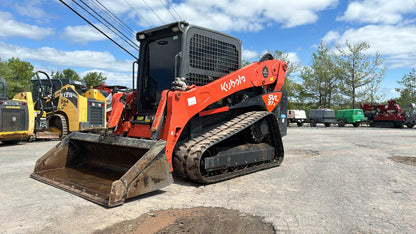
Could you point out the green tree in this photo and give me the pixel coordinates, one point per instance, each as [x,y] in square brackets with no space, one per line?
[94,78]
[408,88]
[358,69]
[370,93]
[17,74]
[311,89]
[322,77]
[66,74]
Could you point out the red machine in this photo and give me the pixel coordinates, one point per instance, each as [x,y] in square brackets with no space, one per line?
[389,115]
[116,99]
[194,111]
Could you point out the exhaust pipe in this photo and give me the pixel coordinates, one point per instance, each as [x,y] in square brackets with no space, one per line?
[105,169]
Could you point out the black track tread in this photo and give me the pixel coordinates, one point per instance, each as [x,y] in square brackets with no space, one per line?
[64,130]
[187,158]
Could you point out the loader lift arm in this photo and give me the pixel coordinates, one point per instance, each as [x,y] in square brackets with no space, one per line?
[192,102]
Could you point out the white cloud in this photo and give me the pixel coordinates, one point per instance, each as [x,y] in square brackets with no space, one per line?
[331,36]
[83,34]
[249,54]
[396,44]
[224,15]
[295,13]
[11,28]
[113,78]
[122,6]
[393,93]
[246,15]
[293,58]
[58,58]
[378,11]
[31,9]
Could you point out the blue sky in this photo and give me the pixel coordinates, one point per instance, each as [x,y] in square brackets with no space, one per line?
[51,37]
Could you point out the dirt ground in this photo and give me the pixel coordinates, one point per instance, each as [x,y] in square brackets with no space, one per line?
[193,220]
[405,160]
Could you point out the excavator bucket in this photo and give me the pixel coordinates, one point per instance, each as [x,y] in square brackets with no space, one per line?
[105,169]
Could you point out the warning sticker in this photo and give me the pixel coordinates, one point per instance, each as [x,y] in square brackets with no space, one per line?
[191,101]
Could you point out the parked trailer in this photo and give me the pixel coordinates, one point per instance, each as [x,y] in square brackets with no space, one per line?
[296,116]
[325,116]
[350,116]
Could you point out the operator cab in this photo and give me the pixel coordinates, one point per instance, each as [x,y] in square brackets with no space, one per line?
[181,50]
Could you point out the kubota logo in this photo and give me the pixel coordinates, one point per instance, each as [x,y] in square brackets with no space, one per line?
[227,86]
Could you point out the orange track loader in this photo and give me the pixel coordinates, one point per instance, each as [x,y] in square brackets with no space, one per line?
[193,112]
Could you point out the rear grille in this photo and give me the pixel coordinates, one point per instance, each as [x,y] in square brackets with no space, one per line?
[209,56]
[200,79]
[96,114]
[13,120]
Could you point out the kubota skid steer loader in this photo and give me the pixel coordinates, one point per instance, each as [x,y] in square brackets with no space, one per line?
[193,112]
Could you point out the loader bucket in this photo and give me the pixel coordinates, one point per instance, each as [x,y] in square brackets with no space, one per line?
[105,169]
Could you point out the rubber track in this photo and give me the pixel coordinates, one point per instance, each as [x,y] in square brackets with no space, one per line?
[187,158]
[64,130]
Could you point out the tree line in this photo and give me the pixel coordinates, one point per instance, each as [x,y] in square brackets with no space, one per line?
[341,78]
[338,78]
[18,75]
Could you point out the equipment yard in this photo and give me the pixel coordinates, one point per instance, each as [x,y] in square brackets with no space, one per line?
[332,180]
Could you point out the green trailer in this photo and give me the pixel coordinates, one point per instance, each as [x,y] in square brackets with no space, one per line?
[350,116]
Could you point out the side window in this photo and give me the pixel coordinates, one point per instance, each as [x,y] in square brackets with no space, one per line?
[160,70]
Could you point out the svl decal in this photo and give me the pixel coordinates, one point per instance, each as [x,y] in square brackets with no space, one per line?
[271,100]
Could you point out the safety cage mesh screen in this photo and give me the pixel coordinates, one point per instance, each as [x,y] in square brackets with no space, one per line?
[209,54]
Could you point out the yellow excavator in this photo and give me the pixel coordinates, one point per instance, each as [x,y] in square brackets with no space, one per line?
[16,122]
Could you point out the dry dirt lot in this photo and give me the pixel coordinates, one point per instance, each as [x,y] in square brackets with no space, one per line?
[332,180]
